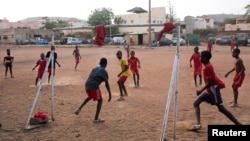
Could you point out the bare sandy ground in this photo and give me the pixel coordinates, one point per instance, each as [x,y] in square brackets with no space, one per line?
[138,118]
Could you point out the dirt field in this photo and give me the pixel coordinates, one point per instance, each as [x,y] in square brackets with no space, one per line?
[138,118]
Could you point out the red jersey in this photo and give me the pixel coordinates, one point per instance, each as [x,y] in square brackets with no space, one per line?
[8,59]
[197,63]
[133,62]
[42,65]
[208,72]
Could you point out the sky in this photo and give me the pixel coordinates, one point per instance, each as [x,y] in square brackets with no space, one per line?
[16,10]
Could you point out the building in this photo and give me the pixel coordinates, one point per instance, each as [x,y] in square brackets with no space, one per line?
[11,36]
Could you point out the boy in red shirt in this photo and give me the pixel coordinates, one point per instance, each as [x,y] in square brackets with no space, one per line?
[42,64]
[197,65]
[134,64]
[210,93]
[210,46]
[77,55]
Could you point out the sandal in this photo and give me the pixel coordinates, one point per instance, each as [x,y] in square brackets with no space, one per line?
[77,111]
[99,120]
[195,127]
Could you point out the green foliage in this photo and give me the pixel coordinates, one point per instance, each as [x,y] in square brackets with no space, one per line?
[54,24]
[205,33]
[104,16]
[99,16]
[229,21]
[118,20]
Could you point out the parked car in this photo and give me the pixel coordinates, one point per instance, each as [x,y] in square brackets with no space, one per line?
[242,38]
[83,40]
[165,41]
[108,40]
[211,39]
[182,41]
[32,41]
[118,40]
[42,42]
[225,40]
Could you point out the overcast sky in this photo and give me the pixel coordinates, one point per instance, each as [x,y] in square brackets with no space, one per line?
[15,10]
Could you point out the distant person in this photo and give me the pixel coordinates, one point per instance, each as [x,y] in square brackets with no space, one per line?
[42,64]
[123,75]
[232,44]
[239,76]
[210,93]
[195,57]
[236,42]
[7,61]
[50,69]
[210,46]
[134,64]
[77,55]
[92,84]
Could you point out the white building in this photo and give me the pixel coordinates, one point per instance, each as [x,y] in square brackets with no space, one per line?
[158,16]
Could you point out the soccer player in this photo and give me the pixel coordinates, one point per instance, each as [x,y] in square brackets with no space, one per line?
[123,75]
[134,64]
[96,77]
[210,93]
[52,49]
[7,61]
[239,76]
[77,55]
[197,65]
[42,64]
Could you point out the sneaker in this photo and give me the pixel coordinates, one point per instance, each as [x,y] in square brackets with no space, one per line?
[77,112]
[234,105]
[195,127]
[99,120]
[121,99]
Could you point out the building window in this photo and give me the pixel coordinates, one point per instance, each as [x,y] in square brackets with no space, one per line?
[132,21]
[153,21]
[12,36]
[0,37]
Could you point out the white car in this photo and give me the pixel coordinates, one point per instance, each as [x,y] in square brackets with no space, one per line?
[118,40]
[182,41]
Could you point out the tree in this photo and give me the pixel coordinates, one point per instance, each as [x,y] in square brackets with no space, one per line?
[118,20]
[247,13]
[229,21]
[98,16]
[104,16]
[49,25]
[61,23]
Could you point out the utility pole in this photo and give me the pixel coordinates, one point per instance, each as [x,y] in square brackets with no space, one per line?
[149,21]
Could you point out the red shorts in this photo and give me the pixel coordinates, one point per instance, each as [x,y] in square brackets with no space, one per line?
[238,79]
[94,94]
[197,72]
[123,78]
[77,59]
[40,74]
[50,70]
[134,71]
